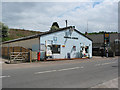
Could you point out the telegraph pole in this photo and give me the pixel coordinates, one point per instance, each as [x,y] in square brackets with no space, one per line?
[87,26]
[86,31]
[104,43]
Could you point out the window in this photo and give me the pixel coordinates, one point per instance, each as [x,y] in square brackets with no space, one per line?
[54,38]
[56,49]
[117,41]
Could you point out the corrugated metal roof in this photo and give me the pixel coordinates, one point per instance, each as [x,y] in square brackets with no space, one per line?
[99,38]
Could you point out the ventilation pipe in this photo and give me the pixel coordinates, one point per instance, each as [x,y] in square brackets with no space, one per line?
[66,22]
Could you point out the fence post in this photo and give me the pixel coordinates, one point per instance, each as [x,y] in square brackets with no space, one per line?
[30,56]
[20,49]
[8,52]
[3,52]
[10,57]
[13,49]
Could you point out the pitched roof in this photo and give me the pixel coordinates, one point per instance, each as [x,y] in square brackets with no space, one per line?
[99,38]
[83,35]
[45,33]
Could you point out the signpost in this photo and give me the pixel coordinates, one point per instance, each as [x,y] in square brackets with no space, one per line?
[106,41]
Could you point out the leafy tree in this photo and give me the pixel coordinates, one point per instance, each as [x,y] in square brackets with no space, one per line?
[54,26]
[4,31]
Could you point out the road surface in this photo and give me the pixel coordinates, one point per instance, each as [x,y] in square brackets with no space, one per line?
[83,74]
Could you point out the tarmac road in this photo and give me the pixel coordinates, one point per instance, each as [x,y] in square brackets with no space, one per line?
[84,74]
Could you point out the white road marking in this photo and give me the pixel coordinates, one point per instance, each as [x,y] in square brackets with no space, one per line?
[59,70]
[4,76]
[69,68]
[105,63]
[97,64]
[45,72]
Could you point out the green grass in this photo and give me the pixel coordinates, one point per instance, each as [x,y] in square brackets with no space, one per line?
[20,35]
[6,39]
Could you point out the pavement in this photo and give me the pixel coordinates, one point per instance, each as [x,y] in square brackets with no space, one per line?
[109,84]
[90,73]
[46,63]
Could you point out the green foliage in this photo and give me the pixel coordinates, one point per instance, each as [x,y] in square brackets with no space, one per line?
[4,31]
[20,35]
[6,38]
[54,26]
[100,32]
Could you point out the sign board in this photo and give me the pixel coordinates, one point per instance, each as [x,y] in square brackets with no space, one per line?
[106,39]
[71,37]
[106,35]
[54,38]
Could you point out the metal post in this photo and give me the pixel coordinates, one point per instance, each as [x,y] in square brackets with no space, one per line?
[45,49]
[52,47]
[80,51]
[89,51]
[39,47]
[104,43]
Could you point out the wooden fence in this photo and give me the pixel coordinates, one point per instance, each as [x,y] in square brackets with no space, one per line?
[7,50]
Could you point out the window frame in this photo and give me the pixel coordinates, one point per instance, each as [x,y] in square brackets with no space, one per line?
[58,49]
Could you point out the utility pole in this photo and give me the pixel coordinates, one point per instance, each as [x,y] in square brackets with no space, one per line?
[86,31]
[104,43]
[87,25]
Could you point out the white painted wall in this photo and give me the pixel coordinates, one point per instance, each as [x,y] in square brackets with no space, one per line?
[69,43]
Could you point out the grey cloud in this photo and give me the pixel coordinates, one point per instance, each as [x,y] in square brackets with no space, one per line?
[16,7]
[40,15]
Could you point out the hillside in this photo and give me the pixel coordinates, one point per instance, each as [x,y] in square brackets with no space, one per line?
[18,33]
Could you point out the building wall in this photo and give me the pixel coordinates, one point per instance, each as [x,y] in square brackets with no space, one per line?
[98,42]
[69,43]
[23,43]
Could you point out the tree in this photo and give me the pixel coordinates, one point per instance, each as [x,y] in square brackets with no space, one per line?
[4,31]
[54,26]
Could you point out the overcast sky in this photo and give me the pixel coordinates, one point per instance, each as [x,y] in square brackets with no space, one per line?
[39,16]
